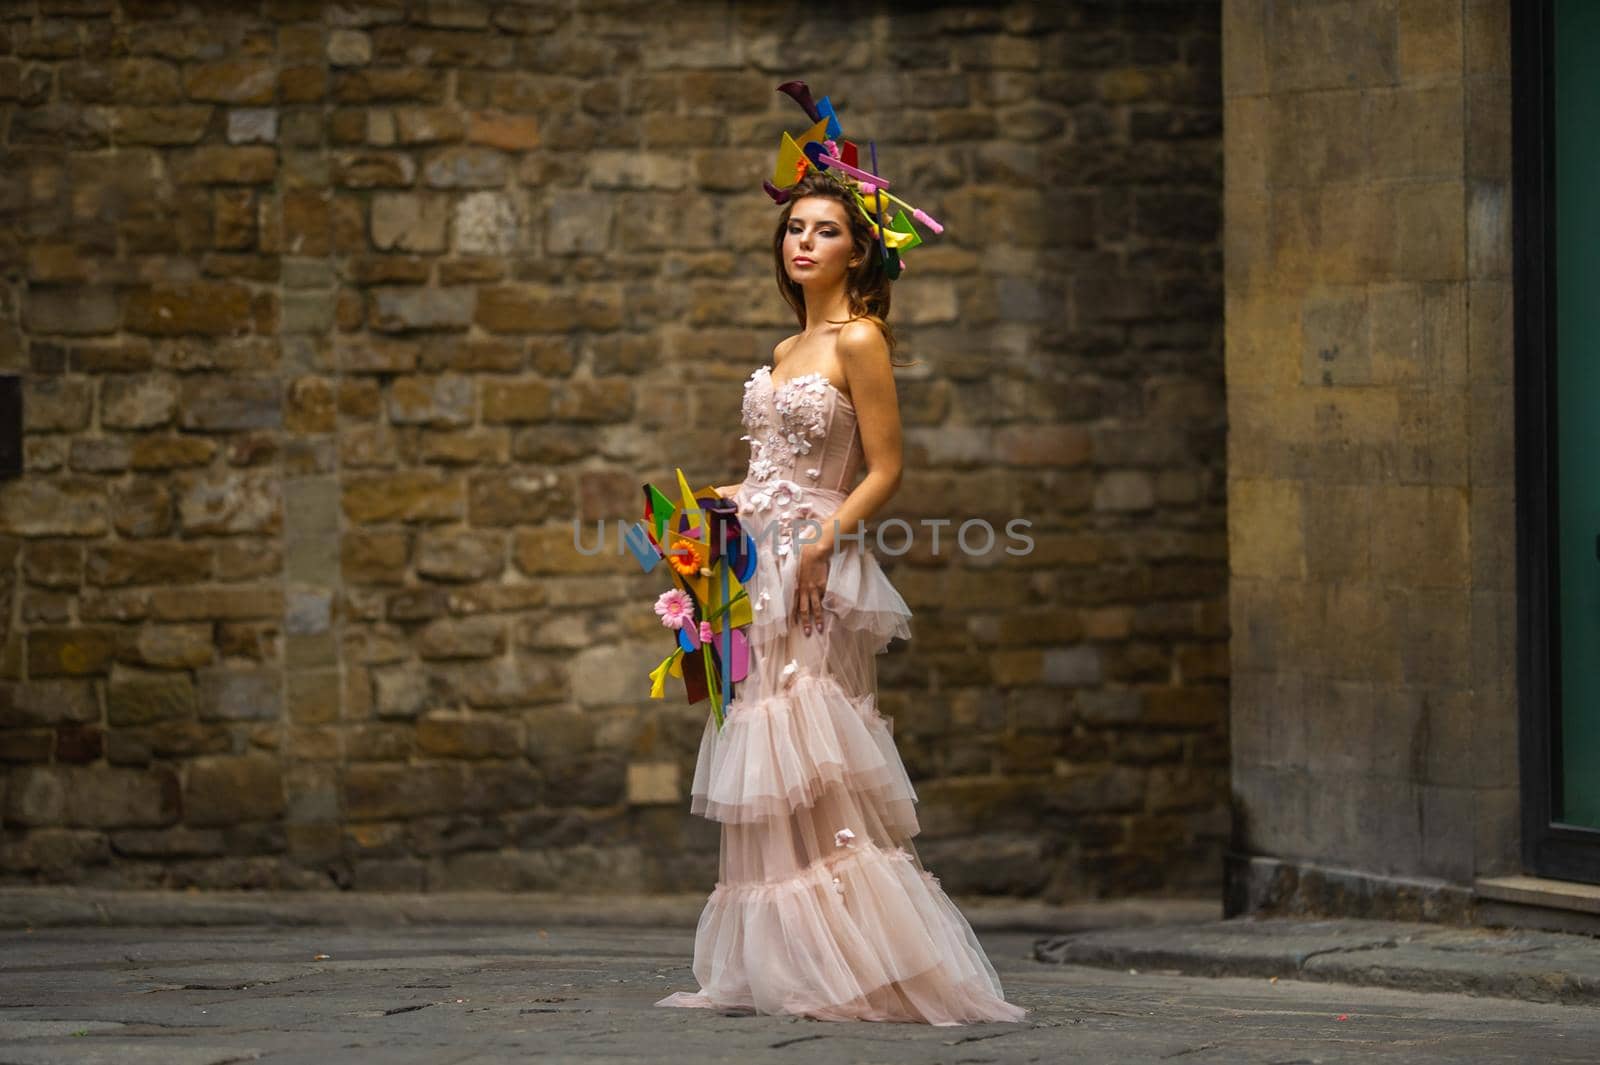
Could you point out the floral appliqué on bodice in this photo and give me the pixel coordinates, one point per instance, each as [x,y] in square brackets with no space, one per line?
[784,422]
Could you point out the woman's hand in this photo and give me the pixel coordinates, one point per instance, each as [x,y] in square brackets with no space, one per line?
[811,585]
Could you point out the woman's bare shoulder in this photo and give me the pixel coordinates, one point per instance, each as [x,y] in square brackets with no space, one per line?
[862,338]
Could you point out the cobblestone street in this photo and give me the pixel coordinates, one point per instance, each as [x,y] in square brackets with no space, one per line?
[449,994]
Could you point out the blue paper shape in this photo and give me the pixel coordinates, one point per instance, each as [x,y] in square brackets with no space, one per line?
[638,540]
[825,107]
[689,637]
[742,557]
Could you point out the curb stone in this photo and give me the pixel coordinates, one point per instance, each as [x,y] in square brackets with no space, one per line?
[1527,965]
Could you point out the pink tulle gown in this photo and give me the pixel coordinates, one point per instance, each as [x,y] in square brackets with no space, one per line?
[822,907]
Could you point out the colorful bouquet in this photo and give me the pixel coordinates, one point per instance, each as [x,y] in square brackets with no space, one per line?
[709,557]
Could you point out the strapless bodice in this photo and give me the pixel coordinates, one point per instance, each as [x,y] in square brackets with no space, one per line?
[802,431]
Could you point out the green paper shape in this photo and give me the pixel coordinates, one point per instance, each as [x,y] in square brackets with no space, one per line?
[902,224]
[661,509]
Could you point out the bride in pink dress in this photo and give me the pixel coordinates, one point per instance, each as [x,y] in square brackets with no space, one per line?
[822,907]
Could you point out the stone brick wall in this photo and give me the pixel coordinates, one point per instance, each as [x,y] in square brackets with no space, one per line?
[1369,366]
[334,317]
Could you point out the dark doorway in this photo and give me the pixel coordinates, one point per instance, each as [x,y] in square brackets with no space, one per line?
[1556,239]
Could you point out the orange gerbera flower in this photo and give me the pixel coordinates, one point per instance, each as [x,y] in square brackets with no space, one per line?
[685,557]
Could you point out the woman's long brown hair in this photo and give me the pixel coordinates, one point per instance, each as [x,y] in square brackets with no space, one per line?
[866,285]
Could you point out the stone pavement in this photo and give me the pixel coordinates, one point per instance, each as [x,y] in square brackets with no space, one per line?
[202,979]
[456,994]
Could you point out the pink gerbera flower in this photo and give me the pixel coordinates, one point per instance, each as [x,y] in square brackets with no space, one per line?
[675,608]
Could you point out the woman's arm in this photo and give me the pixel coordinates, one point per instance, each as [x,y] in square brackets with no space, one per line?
[865,355]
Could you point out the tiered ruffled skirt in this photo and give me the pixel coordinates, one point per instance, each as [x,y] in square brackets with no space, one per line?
[822,907]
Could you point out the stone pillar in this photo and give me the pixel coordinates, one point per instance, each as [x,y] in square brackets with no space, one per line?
[1371,524]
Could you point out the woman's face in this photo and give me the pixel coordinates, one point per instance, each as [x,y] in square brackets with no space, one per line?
[816,243]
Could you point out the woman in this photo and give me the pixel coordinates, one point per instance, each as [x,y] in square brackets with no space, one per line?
[822,908]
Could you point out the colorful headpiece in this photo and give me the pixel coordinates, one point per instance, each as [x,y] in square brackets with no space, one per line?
[821,147]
